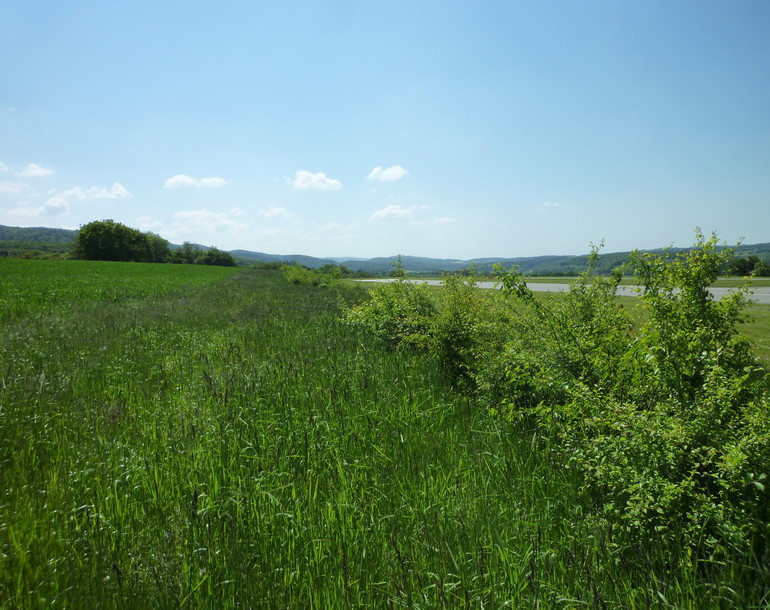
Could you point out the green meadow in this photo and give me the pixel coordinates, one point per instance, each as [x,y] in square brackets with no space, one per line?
[206,437]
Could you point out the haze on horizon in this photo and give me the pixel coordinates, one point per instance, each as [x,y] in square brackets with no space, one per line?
[337,128]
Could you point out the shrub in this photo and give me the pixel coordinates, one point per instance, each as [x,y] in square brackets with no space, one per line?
[669,425]
[397,313]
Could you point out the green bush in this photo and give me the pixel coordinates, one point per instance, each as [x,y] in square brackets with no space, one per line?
[554,346]
[669,425]
[397,313]
[328,275]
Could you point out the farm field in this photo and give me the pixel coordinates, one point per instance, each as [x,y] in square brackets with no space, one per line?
[185,436]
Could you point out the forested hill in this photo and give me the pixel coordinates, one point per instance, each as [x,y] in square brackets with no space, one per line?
[18,240]
[14,240]
[36,234]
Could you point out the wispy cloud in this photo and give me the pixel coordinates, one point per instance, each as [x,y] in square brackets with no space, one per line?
[55,206]
[388,174]
[308,180]
[118,191]
[210,220]
[33,170]
[183,180]
[202,226]
[274,212]
[14,188]
[392,212]
[548,205]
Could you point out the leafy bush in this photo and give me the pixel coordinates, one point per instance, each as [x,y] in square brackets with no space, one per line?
[397,313]
[669,424]
[456,323]
[328,275]
[553,346]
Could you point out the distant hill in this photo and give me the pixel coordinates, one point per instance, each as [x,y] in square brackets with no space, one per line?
[17,240]
[14,240]
[299,259]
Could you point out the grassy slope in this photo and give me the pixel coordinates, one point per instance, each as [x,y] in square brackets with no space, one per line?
[223,441]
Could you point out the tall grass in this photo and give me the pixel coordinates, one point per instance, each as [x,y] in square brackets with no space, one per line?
[226,441]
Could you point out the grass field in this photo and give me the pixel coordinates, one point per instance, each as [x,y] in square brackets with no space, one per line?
[182,436]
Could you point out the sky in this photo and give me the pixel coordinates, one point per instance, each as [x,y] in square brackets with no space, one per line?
[451,129]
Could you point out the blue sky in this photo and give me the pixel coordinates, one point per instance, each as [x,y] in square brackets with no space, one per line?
[342,128]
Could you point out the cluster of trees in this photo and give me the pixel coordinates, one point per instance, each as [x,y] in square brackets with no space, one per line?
[191,254]
[750,265]
[107,240]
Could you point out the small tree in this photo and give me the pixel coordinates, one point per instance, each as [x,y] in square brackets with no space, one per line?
[689,332]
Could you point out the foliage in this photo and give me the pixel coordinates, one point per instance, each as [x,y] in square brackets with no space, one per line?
[659,421]
[576,340]
[215,256]
[398,313]
[187,254]
[668,423]
[688,333]
[327,275]
[750,265]
[452,323]
[39,248]
[36,235]
[107,240]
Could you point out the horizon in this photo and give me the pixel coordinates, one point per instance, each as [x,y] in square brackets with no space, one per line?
[342,259]
[446,131]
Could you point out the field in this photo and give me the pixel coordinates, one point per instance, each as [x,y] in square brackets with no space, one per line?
[183,436]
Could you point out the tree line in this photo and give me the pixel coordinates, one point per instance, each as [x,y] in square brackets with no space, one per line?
[107,240]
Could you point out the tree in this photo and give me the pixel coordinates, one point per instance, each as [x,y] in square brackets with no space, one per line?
[107,240]
[751,265]
[187,254]
[215,256]
[159,249]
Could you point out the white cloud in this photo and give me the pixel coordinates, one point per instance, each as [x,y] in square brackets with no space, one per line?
[388,174]
[53,207]
[274,212]
[14,188]
[56,205]
[183,180]
[308,180]
[204,221]
[548,205]
[118,191]
[33,170]
[390,212]
[145,223]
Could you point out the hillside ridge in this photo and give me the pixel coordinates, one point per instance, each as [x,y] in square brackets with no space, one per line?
[49,240]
